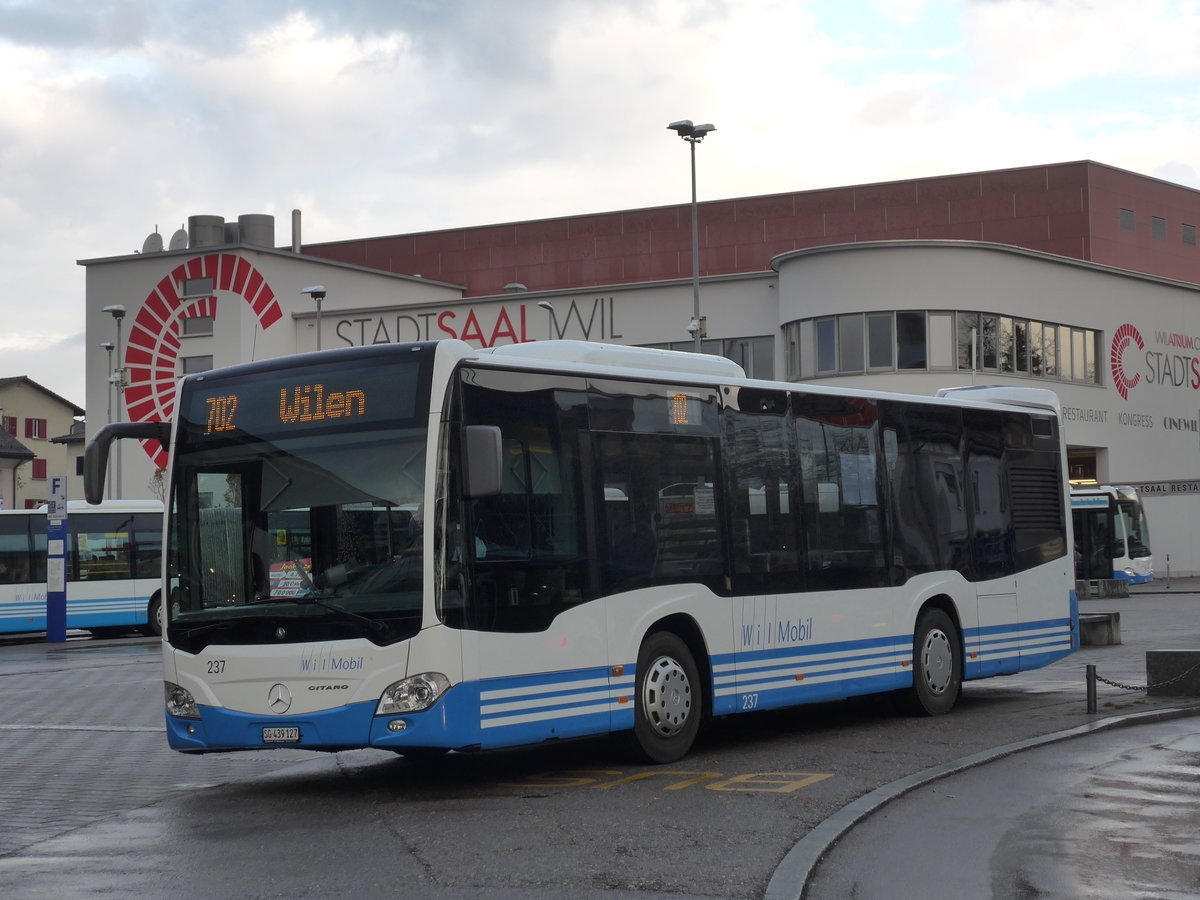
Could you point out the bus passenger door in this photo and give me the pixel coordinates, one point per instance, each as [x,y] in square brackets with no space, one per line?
[537,651]
[994,647]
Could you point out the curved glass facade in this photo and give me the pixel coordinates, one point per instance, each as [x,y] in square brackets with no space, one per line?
[928,340]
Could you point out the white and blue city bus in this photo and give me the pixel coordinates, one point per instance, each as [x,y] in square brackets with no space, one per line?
[1112,536]
[113,568]
[429,547]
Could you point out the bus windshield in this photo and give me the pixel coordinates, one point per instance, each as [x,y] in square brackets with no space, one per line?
[290,529]
[1134,527]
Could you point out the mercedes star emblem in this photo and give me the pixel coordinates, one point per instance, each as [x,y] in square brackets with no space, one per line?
[279,698]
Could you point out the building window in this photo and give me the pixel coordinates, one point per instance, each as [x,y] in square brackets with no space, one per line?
[1021,346]
[1158,228]
[196,287]
[1127,222]
[9,424]
[197,325]
[990,342]
[881,341]
[35,428]
[941,340]
[933,340]
[38,470]
[850,343]
[826,346]
[968,341]
[1189,235]
[1049,351]
[910,340]
[194,364]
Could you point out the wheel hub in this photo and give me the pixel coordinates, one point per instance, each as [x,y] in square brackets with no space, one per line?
[667,696]
[937,661]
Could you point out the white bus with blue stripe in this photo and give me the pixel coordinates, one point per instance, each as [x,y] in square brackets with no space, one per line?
[113,560]
[1112,536]
[428,547]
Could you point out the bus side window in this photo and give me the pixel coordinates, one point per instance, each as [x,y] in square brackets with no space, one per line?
[524,547]
[668,483]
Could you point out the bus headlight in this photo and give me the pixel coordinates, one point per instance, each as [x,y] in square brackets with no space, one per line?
[180,702]
[412,694]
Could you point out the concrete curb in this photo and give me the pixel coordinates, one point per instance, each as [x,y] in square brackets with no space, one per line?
[791,876]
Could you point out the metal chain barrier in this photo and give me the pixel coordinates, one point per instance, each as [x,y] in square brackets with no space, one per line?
[1148,687]
[1092,678]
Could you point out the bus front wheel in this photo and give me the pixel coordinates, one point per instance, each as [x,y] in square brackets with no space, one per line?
[937,665]
[667,703]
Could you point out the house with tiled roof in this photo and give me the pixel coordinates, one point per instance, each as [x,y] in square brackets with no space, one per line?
[31,416]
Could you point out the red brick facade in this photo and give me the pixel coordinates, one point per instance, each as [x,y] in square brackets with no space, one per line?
[1070,209]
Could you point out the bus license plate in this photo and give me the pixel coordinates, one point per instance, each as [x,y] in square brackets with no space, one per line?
[281,735]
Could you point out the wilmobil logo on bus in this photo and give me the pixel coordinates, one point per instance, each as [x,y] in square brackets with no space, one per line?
[314,664]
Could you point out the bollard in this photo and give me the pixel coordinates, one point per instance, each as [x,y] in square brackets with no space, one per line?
[1091,689]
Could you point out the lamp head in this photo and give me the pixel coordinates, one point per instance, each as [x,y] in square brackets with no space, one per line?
[117,311]
[106,345]
[316,291]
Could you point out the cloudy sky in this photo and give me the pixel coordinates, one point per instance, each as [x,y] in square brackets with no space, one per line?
[375,117]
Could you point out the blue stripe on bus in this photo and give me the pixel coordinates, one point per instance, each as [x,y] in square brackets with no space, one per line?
[524,709]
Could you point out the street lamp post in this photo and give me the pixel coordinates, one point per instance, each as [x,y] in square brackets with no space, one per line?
[694,134]
[108,346]
[117,379]
[316,292]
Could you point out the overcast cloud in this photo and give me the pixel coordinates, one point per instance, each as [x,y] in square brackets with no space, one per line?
[406,115]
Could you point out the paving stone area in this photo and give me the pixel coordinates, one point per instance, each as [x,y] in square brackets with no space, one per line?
[80,744]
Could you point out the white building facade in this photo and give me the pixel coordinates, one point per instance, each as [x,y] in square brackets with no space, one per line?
[1122,350]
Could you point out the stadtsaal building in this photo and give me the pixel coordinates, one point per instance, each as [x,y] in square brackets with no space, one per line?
[1075,276]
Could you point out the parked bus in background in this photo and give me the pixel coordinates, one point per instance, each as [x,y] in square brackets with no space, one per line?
[428,547]
[1112,537]
[113,568]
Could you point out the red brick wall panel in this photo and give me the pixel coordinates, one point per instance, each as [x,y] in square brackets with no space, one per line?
[982,209]
[544,230]
[437,241]
[492,236]
[1017,231]
[776,206]
[715,260]
[658,266]
[635,244]
[838,200]
[1044,203]
[954,187]
[733,233]
[650,220]
[958,231]
[595,226]
[849,223]
[1014,181]
[900,193]
[802,229]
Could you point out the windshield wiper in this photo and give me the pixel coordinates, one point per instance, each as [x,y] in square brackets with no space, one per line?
[374,625]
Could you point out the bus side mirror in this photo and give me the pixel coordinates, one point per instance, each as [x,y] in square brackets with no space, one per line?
[95,457]
[483,458]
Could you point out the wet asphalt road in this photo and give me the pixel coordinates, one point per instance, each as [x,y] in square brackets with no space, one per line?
[1109,816]
[96,805]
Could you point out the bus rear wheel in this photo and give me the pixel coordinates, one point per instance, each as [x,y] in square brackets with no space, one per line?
[937,665]
[667,707]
